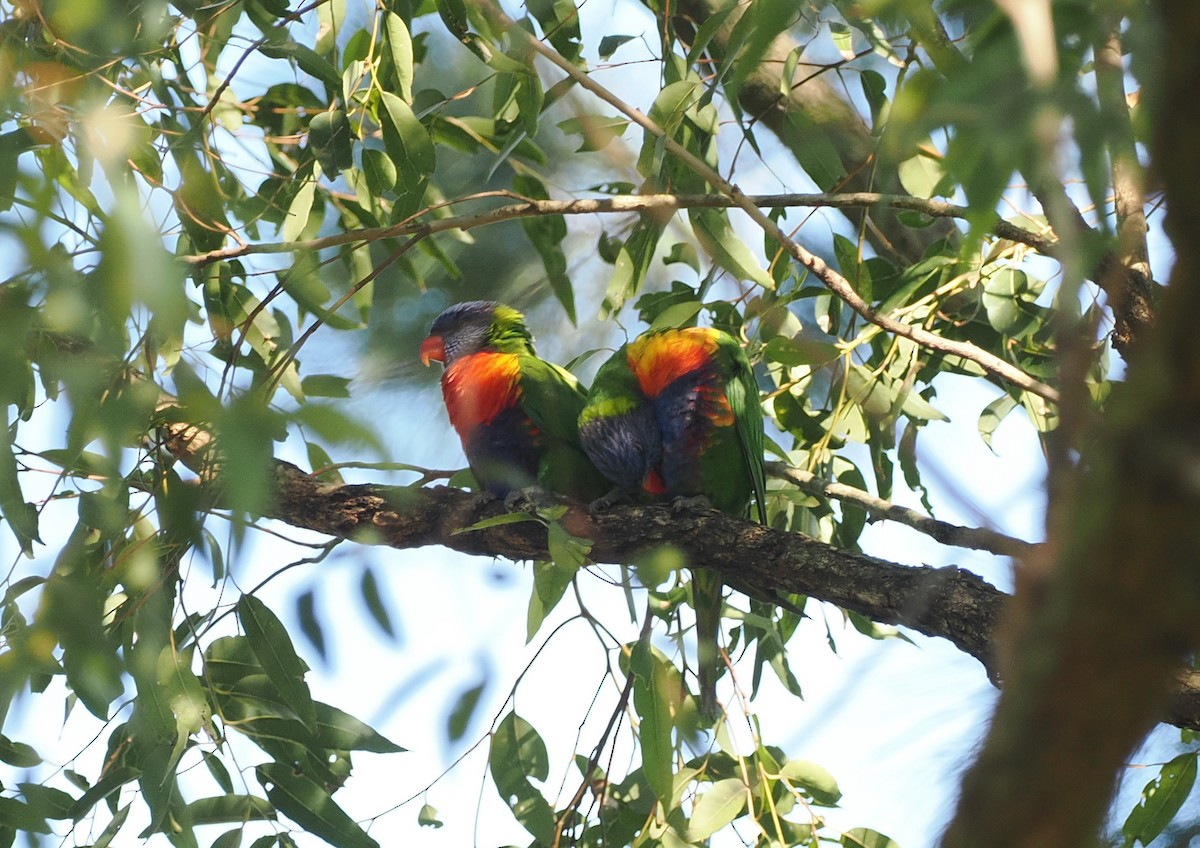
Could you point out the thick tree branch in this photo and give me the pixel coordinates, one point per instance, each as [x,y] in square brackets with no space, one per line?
[528,208]
[832,280]
[1098,629]
[947,603]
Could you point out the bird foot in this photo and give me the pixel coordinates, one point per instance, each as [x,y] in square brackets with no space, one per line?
[481,499]
[684,503]
[620,494]
[528,499]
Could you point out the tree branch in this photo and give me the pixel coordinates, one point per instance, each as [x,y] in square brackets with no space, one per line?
[1125,277]
[832,280]
[811,110]
[947,603]
[529,207]
[1100,625]
[1123,274]
[978,538]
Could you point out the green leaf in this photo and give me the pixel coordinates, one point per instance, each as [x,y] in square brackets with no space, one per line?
[633,260]
[517,754]
[428,817]
[22,517]
[464,710]
[113,828]
[814,779]
[546,234]
[994,413]
[298,212]
[15,814]
[309,805]
[924,175]
[716,807]
[222,809]
[229,839]
[497,521]
[874,87]
[550,582]
[379,170]
[597,131]
[331,139]
[683,252]
[653,702]
[406,140]
[677,315]
[112,781]
[309,60]
[18,753]
[667,111]
[47,801]
[341,731]
[864,837]
[73,611]
[272,647]
[1008,296]
[610,43]
[399,43]
[804,349]
[369,588]
[717,238]
[1161,800]
[310,625]
[569,552]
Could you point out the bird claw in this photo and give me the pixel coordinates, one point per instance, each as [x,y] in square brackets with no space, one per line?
[481,499]
[528,499]
[684,503]
[618,495]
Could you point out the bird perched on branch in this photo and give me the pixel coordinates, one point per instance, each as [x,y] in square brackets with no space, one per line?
[675,413]
[517,415]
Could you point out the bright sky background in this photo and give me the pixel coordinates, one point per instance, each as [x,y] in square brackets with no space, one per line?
[894,722]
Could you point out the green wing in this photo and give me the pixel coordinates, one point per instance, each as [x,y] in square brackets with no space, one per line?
[553,399]
[742,392]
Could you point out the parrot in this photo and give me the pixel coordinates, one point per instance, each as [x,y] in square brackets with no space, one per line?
[516,415]
[675,414]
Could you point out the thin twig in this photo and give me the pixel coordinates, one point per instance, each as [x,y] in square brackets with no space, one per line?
[834,281]
[529,208]
[977,538]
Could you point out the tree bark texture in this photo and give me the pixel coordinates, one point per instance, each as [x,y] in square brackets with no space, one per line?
[1093,641]
[948,603]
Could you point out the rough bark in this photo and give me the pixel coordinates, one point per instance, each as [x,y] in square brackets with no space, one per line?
[947,603]
[1095,637]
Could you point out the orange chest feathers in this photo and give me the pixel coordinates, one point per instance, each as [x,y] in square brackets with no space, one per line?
[660,359]
[477,388]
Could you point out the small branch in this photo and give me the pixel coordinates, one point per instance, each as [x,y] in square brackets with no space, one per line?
[977,538]
[834,281]
[528,208]
[1126,277]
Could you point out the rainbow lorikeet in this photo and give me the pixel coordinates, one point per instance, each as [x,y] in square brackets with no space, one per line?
[675,413]
[517,415]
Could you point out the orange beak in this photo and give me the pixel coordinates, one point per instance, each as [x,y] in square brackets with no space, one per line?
[432,348]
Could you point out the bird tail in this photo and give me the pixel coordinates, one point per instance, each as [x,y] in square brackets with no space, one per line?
[706,600]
